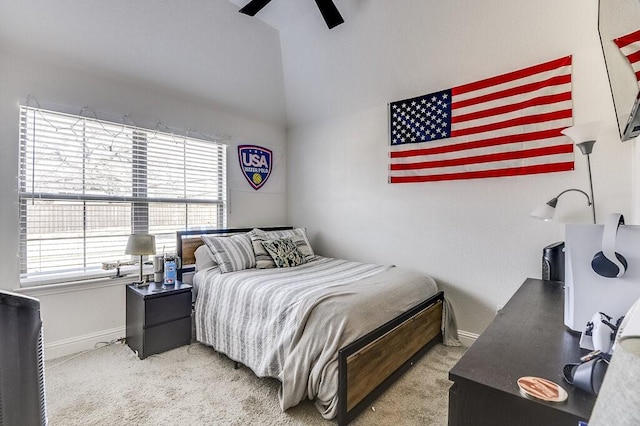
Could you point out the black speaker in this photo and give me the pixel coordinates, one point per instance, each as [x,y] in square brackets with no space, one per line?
[553,262]
[22,390]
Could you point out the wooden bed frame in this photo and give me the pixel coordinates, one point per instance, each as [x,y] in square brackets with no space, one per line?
[369,365]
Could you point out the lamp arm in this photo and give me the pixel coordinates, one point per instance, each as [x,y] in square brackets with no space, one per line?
[589,202]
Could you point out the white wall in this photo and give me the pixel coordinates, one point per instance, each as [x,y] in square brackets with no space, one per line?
[77,317]
[474,237]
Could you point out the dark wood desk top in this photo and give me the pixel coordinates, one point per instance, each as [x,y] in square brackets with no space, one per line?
[527,338]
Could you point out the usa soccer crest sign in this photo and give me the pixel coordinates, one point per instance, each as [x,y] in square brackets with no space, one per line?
[256,164]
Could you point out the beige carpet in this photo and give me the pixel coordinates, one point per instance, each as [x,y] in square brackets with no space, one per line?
[194,385]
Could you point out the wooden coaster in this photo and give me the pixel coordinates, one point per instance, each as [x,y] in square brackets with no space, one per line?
[543,389]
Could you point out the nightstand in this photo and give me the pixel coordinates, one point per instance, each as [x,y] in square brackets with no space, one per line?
[158,318]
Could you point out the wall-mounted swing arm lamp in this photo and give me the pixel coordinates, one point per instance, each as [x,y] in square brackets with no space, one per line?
[584,135]
[548,210]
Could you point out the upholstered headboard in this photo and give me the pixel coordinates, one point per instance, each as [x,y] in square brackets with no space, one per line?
[188,241]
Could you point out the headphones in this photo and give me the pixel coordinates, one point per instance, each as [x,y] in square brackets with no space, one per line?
[607,262]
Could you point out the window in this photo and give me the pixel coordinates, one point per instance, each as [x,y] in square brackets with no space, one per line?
[86,184]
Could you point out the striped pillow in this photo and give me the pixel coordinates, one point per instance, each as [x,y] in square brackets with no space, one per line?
[301,241]
[233,253]
[264,259]
[262,256]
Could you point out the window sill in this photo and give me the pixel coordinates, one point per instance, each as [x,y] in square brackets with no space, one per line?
[73,282]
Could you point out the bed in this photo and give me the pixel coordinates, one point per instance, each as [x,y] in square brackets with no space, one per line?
[335,331]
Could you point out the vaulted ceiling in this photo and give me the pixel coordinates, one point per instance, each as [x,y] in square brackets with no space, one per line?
[281,13]
[201,49]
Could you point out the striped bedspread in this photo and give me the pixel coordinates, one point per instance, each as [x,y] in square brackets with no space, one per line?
[289,323]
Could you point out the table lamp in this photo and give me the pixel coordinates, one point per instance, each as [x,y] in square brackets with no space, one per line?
[140,245]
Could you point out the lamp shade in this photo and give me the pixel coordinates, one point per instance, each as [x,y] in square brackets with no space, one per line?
[584,132]
[545,211]
[548,210]
[141,244]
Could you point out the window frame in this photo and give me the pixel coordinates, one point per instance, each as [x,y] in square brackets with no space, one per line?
[139,199]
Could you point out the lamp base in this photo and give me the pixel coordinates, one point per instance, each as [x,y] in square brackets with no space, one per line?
[140,284]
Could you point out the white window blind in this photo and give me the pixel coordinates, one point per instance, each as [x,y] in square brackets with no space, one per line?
[86,184]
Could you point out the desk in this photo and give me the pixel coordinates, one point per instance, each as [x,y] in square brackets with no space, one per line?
[527,338]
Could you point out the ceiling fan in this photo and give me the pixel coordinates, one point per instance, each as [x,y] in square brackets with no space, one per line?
[329,10]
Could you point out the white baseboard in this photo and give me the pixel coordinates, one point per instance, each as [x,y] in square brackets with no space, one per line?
[467,338]
[80,343]
[86,342]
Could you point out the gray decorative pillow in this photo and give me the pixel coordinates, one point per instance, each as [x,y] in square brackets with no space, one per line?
[233,253]
[284,252]
[264,259]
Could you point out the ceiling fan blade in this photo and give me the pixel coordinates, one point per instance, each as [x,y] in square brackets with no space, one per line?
[254,6]
[330,13]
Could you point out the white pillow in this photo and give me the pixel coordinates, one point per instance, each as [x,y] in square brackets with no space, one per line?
[204,258]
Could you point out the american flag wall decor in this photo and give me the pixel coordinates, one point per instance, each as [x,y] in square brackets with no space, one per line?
[629,45]
[506,125]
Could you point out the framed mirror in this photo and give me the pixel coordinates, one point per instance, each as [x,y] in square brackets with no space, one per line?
[618,18]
